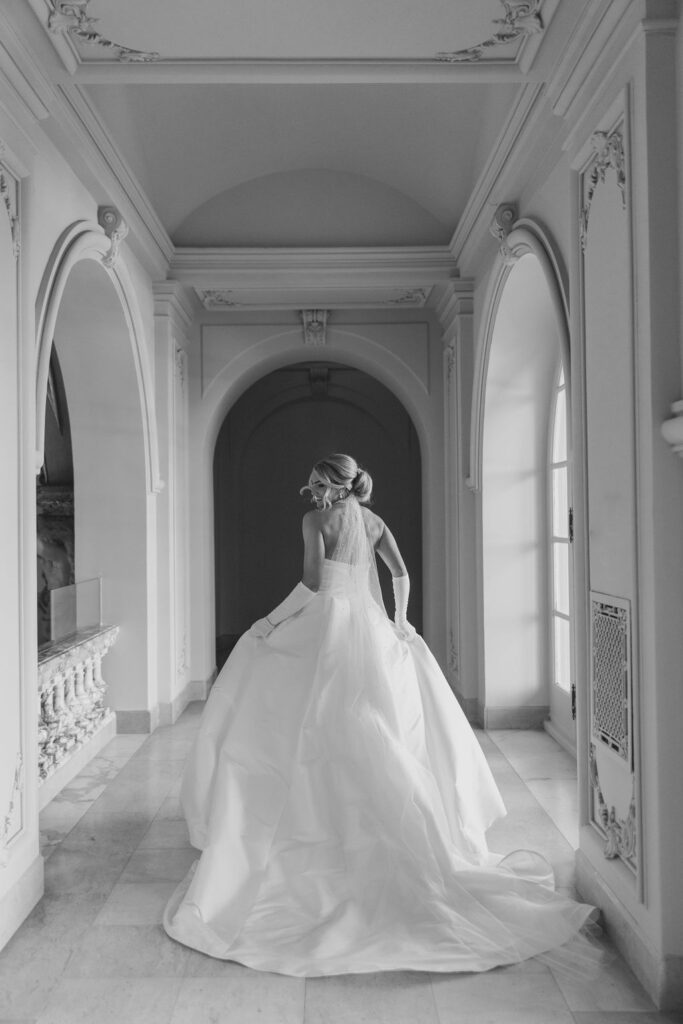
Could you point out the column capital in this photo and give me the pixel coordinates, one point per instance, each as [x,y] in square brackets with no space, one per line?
[173,302]
[454,306]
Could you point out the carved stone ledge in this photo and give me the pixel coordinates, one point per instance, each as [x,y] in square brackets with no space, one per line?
[503,222]
[71,17]
[314,322]
[672,430]
[522,19]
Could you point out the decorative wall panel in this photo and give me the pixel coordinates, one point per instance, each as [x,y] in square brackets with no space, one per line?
[12,759]
[605,245]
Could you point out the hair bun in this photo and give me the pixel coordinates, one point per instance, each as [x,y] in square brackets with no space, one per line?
[362,485]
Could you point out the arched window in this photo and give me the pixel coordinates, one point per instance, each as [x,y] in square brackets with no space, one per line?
[560,561]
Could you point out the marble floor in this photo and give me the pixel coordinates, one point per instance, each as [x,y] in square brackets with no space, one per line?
[93,951]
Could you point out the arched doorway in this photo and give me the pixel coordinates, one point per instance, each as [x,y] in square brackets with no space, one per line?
[268,441]
[520,522]
[111,526]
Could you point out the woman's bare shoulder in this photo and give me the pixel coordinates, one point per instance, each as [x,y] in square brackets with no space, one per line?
[374,524]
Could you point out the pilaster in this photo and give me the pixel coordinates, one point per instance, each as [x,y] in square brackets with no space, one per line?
[173,318]
[455,313]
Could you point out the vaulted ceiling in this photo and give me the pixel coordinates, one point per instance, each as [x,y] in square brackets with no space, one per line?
[263,124]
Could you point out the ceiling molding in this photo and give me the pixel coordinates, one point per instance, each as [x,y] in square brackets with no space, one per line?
[266,296]
[344,278]
[138,204]
[409,266]
[480,206]
[297,72]
[594,32]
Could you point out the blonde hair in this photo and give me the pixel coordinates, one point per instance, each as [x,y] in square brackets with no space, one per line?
[341,471]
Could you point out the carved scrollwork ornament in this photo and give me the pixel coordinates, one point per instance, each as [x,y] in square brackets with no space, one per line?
[8,195]
[503,222]
[620,833]
[609,152]
[115,228]
[522,18]
[217,298]
[71,16]
[15,794]
[451,358]
[314,322]
[180,363]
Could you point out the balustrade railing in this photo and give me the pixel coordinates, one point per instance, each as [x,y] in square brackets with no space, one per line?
[72,693]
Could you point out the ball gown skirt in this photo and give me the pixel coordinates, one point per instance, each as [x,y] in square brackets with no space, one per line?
[340,800]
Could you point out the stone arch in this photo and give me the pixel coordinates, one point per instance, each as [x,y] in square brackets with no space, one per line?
[280,349]
[525,238]
[524,339]
[84,240]
[88,310]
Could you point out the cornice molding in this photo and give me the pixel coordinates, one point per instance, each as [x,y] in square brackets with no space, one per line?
[522,118]
[298,72]
[21,73]
[410,267]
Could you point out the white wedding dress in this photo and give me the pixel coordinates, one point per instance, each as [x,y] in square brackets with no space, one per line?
[340,800]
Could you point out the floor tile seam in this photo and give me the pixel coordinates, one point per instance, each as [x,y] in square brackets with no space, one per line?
[531,795]
[437,1015]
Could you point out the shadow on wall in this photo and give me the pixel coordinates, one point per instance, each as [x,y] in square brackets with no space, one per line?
[265,450]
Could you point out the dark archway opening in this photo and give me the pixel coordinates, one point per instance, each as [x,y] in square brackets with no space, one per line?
[266,446]
[55,501]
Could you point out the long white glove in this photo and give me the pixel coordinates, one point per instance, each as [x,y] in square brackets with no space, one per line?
[293,603]
[401,585]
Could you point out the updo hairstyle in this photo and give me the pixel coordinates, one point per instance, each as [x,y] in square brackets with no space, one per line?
[341,471]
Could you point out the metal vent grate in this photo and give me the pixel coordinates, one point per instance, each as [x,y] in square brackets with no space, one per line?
[611,674]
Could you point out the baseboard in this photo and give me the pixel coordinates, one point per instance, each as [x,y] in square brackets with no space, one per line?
[471,707]
[137,720]
[661,976]
[528,717]
[559,737]
[19,901]
[55,783]
[195,689]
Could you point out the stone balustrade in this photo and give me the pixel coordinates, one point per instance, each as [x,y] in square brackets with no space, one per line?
[72,694]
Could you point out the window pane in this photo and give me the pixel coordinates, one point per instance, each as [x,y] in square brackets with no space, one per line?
[560,428]
[561,577]
[560,502]
[562,664]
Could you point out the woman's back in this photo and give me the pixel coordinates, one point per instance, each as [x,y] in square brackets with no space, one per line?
[333,523]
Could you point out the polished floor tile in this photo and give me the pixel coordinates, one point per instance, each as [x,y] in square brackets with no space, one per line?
[518,997]
[235,999]
[107,1001]
[398,997]
[93,950]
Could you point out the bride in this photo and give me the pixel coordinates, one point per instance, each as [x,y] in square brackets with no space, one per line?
[336,791]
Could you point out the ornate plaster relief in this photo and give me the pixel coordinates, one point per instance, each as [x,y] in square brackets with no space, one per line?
[522,18]
[71,17]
